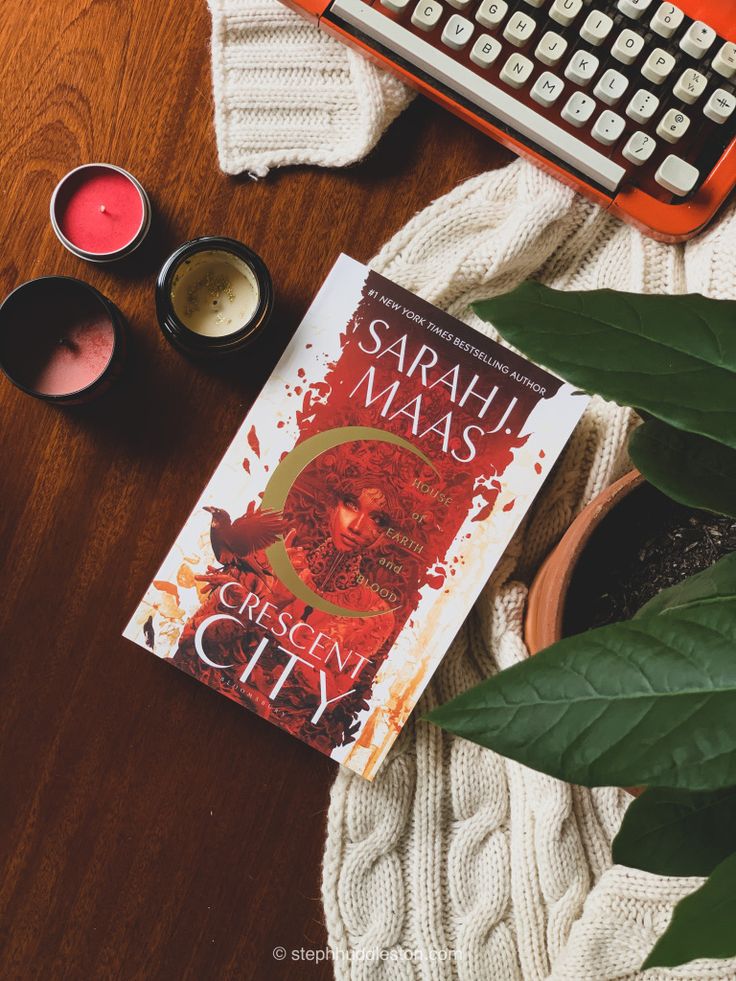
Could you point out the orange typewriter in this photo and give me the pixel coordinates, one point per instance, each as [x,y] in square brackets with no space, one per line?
[631,102]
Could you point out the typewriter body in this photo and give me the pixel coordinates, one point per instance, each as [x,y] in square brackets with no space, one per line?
[631,102]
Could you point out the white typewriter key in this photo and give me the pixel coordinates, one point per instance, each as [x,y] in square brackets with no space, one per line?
[582,67]
[460,4]
[517,70]
[633,8]
[457,32]
[690,86]
[698,39]
[427,14]
[608,127]
[627,47]
[667,19]
[639,148]
[643,106]
[565,11]
[547,89]
[720,106]
[596,27]
[551,48]
[673,126]
[485,50]
[519,28]
[611,86]
[491,12]
[677,175]
[396,5]
[658,66]
[535,3]
[579,108]
[725,60]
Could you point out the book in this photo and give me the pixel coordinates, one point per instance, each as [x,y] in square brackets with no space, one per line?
[358,512]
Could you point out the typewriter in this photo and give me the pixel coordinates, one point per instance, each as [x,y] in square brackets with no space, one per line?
[632,102]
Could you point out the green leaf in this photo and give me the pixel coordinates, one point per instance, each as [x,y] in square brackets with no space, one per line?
[713,584]
[690,469]
[702,924]
[673,356]
[650,701]
[677,832]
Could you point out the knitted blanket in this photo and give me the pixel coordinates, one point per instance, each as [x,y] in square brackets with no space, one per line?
[455,863]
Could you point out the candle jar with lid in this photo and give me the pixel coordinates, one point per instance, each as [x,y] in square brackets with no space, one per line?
[214,296]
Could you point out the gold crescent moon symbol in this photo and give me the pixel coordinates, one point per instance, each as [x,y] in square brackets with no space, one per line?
[277,491]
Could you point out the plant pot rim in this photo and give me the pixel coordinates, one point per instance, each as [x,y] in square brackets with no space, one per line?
[548,592]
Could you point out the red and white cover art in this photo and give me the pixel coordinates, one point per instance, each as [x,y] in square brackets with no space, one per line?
[352,522]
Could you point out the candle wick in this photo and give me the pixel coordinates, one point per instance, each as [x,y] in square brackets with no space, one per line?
[103,209]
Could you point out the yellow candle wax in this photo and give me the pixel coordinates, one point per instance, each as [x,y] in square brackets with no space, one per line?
[214,293]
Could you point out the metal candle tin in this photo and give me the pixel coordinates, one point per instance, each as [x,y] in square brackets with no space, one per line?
[65,321]
[71,184]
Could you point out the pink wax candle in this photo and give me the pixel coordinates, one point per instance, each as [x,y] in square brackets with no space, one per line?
[100,212]
[60,340]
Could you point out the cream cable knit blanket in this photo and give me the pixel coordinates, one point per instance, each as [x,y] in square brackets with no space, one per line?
[455,863]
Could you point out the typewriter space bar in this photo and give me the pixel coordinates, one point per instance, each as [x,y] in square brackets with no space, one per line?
[489,97]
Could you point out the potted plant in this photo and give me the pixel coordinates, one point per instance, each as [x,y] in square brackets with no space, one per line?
[651,700]
[549,594]
[627,545]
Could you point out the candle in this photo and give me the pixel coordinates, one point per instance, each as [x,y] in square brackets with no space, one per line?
[60,340]
[213,296]
[214,293]
[100,212]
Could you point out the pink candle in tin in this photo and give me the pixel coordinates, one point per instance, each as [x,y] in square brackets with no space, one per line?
[58,338]
[100,212]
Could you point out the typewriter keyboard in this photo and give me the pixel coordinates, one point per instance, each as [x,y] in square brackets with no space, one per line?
[623,92]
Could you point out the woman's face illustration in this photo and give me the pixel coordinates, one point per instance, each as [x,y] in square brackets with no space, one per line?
[358,522]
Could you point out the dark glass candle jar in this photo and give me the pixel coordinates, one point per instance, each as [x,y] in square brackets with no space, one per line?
[214,296]
[61,340]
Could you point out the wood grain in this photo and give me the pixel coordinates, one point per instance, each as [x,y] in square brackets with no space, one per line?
[149,828]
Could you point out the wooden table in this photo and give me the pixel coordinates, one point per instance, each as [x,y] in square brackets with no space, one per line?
[149,828]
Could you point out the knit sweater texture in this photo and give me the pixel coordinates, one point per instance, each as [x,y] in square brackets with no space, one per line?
[456,864]
[286,93]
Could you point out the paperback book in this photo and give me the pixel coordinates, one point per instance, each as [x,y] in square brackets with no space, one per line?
[356,515]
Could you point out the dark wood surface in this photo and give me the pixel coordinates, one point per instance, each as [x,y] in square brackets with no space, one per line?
[149,828]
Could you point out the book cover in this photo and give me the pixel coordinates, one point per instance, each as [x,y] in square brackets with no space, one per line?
[356,515]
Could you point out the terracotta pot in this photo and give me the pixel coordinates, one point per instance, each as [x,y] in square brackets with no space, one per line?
[548,592]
